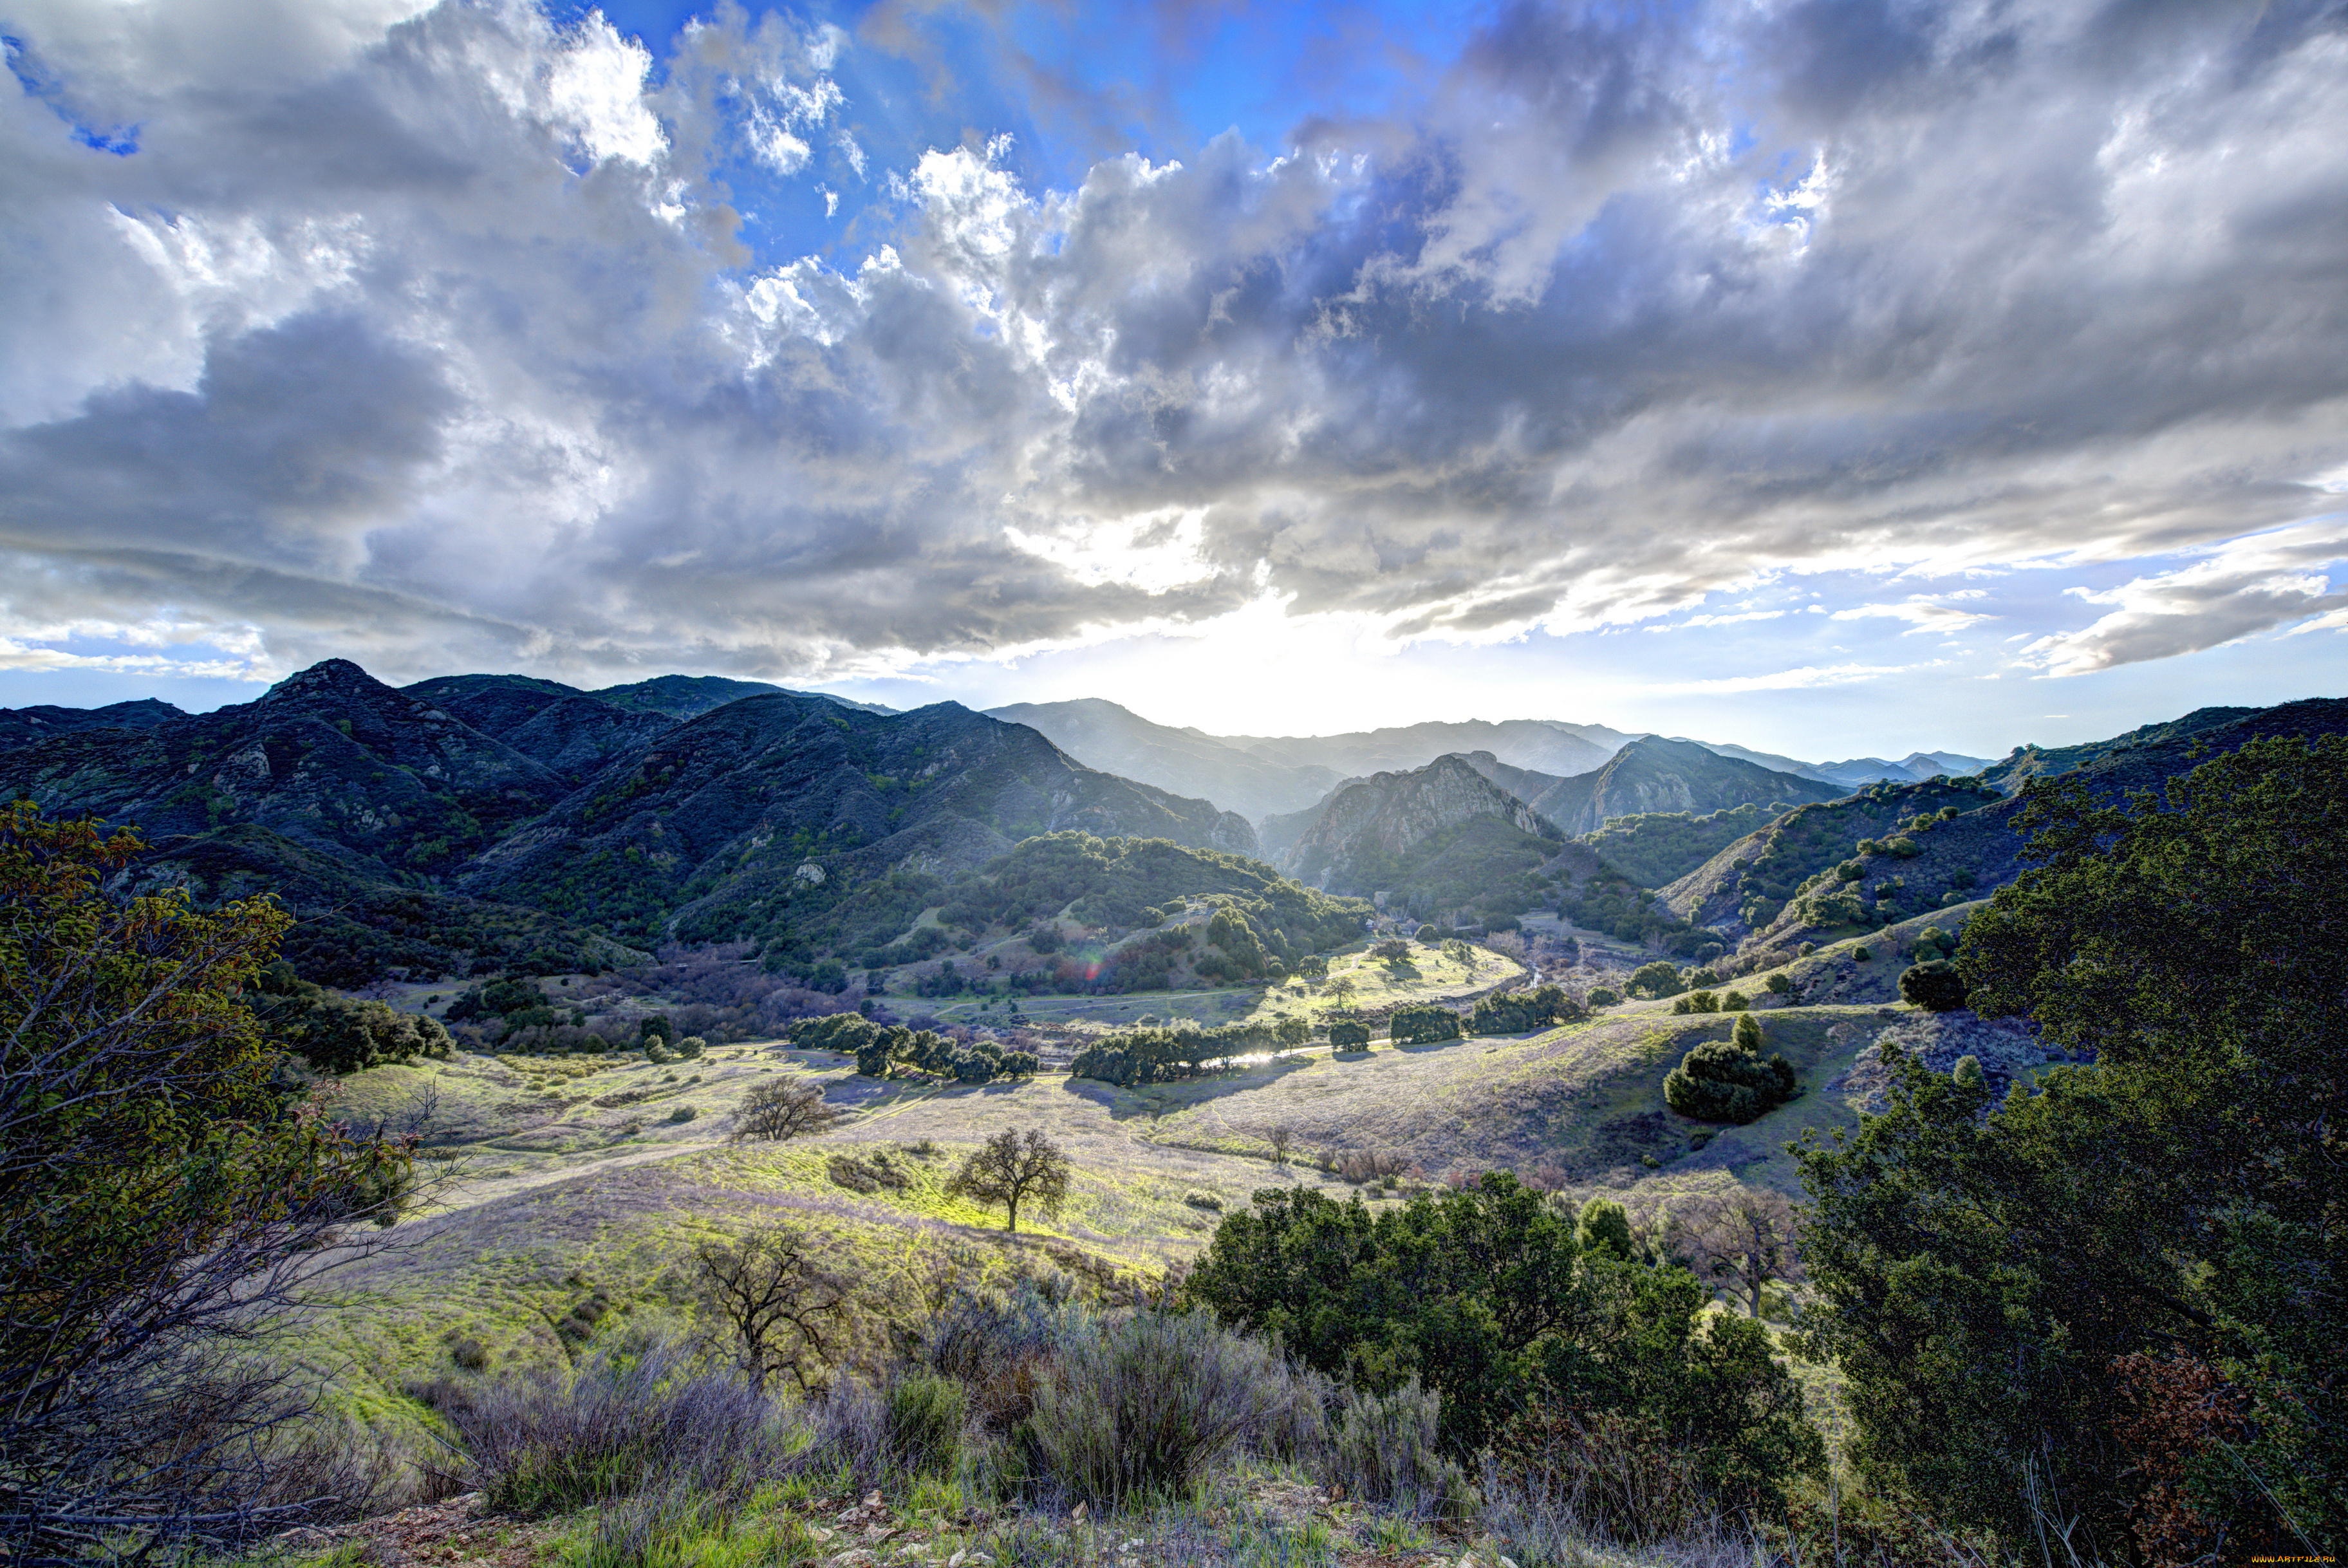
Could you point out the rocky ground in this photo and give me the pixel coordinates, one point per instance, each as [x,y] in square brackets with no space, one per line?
[2008,1049]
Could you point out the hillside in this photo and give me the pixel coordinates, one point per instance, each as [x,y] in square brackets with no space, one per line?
[27,726]
[1849,864]
[1114,740]
[1656,848]
[380,805]
[1744,886]
[1657,775]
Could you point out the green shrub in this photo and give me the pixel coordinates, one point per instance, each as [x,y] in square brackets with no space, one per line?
[683,1113]
[1604,996]
[1697,1002]
[1860,955]
[925,1414]
[1349,1036]
[1729,1080]
[1387,1452]
[1779,984]
[690,1047]
[1145,1407]
[1934,985]
[1429,935]
[1968,1072]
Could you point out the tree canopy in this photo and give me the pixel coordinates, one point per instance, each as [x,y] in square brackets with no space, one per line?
[2120,1300]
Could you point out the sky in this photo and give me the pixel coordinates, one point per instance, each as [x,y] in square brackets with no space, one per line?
[1832,376]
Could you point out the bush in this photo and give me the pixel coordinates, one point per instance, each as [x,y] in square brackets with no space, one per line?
[1349,1036]
[1429,935]
[690,1047]
[1934,985]
[1696,1002]
[683,1113]
[1387,1452]
[926,1412]
[1604,996]
[1861,955]
[1422,1026]
[1729,1081]
[1145,1407]
[552,1443]
[1780,985]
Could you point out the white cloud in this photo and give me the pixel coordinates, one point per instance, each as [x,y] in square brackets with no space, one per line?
[1923,614]
[2242,587]
[441,319]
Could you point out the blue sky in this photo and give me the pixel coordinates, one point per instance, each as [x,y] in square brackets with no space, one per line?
[1835,376]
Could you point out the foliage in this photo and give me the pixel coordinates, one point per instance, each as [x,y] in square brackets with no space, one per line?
[1521,1012]
[1166,1055]
[1729,1080]
[1140,1407]
[1483,1295]
[1934,985]
[1349,1036]
[1012,1168]
[1387,1452]
[1746,1237]
[1660,978]
[1653,848]
[158,1193]
[1422,1025]
[2023,1297]
[339,1034]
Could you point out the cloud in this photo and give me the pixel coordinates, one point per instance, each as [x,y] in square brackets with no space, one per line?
[2243,587]
[1923,613]
[1806,677]
[430,335]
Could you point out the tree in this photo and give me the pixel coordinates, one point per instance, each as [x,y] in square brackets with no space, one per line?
[1604,1227]
[776,1112]
[2078,1295]
[1012,1168]
[1349,1036]
[1280,1137]
[1746,1237]
[781,1305]
[1934,985]
[1422,1026]
[166,1198]
[1393,951]
[1291,1031]
[1660,978]
[1343,989]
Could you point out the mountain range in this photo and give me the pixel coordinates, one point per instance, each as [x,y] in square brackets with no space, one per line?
[1268,777]
[488,821]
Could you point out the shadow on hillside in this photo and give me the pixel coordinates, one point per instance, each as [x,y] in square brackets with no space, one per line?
[1163,1098]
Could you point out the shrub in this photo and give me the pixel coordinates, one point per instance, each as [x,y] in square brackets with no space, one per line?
[1861,955]
[1934,985]
[683,1113]
[1604,996]
[1019,1064]
[550,1443]
[1780,983]
[1734,1002]
[1387,1451]
[925,1415]
[1729,1081]
[1198,1200]
[1968,1072]
[1429,935]
[690,1047]
[1349,1036]
[1145,1407]
[1696,1002]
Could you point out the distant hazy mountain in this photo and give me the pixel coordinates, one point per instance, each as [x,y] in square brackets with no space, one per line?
[1100,734]
[1859,771]
[1264,777]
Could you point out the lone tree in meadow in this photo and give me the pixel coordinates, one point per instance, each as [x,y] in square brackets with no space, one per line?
[1012,1168]
[777,1113]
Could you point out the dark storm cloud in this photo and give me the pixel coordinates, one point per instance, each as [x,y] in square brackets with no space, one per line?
[453,332]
